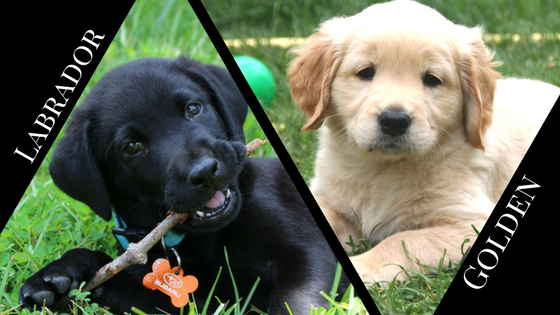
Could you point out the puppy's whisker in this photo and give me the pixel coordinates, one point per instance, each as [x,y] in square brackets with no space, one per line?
[108,147]
[448,133]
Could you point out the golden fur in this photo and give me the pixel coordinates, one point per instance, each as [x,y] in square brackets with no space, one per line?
[469,130]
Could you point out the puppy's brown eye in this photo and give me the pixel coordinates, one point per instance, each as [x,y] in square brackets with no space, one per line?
[431,80]
[133,147]
[366,74]
[192,109]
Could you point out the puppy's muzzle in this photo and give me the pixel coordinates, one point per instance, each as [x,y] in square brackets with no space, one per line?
[394,123]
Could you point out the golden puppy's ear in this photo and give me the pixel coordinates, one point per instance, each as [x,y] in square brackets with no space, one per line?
[478,85]
[311,74]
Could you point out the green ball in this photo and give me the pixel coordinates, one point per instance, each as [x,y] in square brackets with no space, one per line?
[259,77]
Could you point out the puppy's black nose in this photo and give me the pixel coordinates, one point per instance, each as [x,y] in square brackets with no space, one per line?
[205,173]
[394,123]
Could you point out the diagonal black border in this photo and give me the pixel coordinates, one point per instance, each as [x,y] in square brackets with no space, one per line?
[276,143]
[39,52]
[517,279]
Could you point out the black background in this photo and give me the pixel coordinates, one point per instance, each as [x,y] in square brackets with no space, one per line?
[41,41]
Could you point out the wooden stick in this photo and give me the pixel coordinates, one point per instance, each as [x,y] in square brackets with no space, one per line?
[254,145]
[137,253]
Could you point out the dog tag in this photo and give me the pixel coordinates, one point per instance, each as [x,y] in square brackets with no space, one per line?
[171,282]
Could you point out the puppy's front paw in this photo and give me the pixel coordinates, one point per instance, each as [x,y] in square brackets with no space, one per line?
[364,269]
[50,290]
[51,285]
[372,270]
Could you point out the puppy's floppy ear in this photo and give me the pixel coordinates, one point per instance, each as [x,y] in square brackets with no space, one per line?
[75,170]
[478,85]
[311,74]
[231,104]
[229,101]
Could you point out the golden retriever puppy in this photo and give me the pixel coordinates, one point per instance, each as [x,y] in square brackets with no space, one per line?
[419,135]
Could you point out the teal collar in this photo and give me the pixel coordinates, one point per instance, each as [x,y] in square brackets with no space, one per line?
[122,233]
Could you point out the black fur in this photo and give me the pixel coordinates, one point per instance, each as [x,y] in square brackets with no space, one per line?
[158,134]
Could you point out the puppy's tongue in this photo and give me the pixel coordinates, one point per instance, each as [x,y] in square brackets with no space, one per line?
[216,201]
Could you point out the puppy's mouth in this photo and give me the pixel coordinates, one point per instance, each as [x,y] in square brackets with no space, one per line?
[391,145]
[220,203]
[218,212]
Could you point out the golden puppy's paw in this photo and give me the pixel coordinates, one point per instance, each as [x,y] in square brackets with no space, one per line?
[372,271]
[363,268]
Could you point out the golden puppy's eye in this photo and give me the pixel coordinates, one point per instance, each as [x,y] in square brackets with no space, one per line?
[366,73]
[431,80]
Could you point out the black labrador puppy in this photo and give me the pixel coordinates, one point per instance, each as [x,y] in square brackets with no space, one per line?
[156,135]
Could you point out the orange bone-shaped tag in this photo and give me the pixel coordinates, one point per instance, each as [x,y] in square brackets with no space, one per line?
[171,282]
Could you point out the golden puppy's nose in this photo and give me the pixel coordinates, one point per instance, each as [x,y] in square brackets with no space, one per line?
[394,123]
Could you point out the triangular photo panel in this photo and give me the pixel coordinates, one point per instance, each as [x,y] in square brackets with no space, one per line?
[286,157]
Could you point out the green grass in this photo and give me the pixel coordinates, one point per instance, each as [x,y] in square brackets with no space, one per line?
[299,18]
[47,223]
